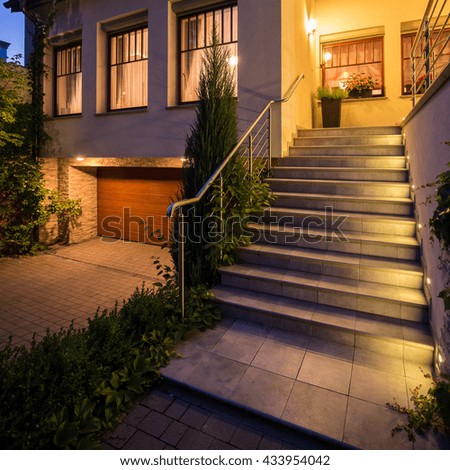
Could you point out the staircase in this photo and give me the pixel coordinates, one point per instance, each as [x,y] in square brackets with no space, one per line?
[336,255]
[325,314]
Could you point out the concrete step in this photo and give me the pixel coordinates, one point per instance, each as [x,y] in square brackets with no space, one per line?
[348,173]
[396,139]
[372,205]
[382,300]
[345,131]
[388,336]
[354,161]
[330,219]
[340,187]
[369,244]
[347,150]
[346,265]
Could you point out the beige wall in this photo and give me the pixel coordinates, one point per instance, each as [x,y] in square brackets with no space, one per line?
[425,133]
[349,15]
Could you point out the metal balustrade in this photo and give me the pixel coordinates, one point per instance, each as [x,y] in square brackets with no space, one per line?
[254,146]
[430,52]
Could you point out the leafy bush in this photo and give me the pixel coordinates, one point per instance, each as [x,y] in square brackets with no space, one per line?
[65,390]
[430,411]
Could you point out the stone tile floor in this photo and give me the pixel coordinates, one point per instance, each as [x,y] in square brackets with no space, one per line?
[335,390]
[69,283]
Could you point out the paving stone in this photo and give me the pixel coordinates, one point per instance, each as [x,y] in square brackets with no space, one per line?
[136,415]
[142,441]
[174,433]
[177,409]
[217,444]
[195,417]
[246,438]
[270,443]
[155,423]
[158,400]
[120,435]
[220,427]
[195,440]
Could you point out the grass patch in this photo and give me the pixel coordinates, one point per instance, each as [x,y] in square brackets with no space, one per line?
[67,389]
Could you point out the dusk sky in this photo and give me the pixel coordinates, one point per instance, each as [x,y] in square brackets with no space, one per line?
[11,30]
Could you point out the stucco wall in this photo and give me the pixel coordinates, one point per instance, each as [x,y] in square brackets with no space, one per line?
[351,15]
[425,133]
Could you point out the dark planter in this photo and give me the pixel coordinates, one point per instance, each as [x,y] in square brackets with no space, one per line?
[359,94]
[331,112]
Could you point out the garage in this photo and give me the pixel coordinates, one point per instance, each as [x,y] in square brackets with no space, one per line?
[132,202]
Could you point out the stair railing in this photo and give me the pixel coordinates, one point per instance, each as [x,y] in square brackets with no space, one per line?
[254,144]
[430,47]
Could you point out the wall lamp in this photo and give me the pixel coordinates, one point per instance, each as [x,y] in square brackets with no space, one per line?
[311,26]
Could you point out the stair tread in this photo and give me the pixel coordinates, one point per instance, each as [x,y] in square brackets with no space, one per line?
[393,130]
[367,237]
[344,319]
[353,215]
[405,200]
[287,276]
[339,168]
[336,257]
[388,183]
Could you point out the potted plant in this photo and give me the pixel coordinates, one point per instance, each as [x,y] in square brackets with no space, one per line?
[331,99]
[360,85]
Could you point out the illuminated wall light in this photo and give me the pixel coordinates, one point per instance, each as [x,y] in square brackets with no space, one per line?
[311,26]
[413,186]
[420,226]
[80,159]
[440,358]
[327,56]
[428,281]
[233,61]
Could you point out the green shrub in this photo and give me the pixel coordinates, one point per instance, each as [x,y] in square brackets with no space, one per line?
[332,93]
[64,391]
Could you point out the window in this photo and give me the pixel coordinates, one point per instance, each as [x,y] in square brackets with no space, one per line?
[195,37]
[128,58]
[68,80]
[440,47]
[342,59]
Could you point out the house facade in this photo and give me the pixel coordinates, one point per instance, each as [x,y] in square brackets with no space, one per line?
[120,96]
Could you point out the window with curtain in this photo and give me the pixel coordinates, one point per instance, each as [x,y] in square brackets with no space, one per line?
[439,44]
[195,37]
[340,60]
[128,54]
[68,80]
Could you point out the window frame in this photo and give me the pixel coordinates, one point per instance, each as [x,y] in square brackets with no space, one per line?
[356,40]
[57,50]
[139,26]
[195,13]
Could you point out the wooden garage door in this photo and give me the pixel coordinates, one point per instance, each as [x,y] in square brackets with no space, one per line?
[132,202]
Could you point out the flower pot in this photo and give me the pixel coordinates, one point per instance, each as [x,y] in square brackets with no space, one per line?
[331,112]
[359,93]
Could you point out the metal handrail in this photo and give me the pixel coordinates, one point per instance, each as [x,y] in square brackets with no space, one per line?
[186,202]
[429,54]
[178,205]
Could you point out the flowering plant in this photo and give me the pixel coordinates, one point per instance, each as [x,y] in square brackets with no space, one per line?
[360,82]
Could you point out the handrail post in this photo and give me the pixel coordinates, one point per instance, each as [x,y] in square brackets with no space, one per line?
[221,217]
[427,53]
[250,154]
[269,139]
[181,247]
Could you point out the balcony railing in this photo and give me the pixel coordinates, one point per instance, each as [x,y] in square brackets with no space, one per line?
[430,52]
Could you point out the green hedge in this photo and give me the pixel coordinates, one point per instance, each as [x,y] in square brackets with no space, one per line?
[68,388]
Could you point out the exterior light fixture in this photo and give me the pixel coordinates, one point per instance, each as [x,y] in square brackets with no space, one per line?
[413,186]
[420,226]
[233,61]
[440,358]
[80,159]
[428,281]
[311,26]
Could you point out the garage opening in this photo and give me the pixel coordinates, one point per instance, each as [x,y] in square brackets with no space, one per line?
[132,202]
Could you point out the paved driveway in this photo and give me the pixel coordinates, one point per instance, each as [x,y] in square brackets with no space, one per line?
[69,283]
